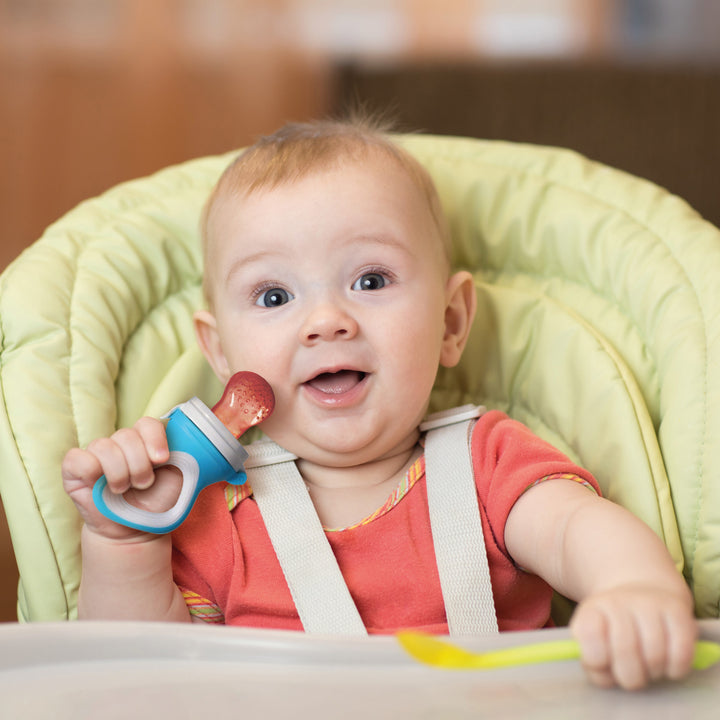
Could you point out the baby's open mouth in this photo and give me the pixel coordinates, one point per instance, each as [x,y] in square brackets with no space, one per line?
[337,383]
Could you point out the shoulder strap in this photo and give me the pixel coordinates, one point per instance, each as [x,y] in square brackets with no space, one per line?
[456,523]
[316,584]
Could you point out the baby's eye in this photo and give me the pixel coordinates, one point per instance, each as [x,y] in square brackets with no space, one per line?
[274,297]
[370,281]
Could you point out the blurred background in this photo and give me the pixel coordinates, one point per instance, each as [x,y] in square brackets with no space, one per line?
[95,92]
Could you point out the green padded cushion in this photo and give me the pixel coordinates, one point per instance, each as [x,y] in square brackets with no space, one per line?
[598,326]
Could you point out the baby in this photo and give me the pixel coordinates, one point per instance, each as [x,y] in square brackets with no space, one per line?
[327,272]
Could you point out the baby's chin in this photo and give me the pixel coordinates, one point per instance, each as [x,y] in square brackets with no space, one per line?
[348,451]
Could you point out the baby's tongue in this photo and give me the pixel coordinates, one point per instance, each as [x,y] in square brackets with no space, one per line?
[336,383]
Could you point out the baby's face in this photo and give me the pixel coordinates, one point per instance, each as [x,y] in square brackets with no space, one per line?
[334,288]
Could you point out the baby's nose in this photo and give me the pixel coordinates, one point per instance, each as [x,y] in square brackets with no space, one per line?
[328,321]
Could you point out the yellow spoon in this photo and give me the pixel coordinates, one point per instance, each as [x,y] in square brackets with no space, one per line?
[440,653]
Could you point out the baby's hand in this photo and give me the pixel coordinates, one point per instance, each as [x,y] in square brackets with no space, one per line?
[635,634]
[127,459]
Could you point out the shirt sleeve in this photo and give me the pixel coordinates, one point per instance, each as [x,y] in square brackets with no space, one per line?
[508,458]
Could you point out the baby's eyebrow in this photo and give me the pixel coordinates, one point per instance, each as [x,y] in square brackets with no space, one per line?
[382,240]
[236,266]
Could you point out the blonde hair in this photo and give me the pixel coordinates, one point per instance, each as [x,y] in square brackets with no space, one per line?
[299,149]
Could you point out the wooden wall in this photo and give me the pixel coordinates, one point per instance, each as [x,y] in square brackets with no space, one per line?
[655,120]
[87,102]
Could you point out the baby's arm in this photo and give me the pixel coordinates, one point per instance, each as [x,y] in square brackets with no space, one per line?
[126,573]
[635,618]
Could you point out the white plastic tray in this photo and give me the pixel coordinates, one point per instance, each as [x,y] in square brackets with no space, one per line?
[153,671]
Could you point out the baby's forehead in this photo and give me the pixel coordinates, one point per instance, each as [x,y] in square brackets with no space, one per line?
[360,191]
[264,172]
[345,177]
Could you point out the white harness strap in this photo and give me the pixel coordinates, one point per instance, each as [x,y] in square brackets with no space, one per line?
[457,525]
[316,584]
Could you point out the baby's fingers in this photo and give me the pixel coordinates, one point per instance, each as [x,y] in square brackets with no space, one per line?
[591,631]
[80,469]
[681,645]
[636,638]
[666,632]
[630,666]
[611,652]
[653,644]
[152,432]
[124,460]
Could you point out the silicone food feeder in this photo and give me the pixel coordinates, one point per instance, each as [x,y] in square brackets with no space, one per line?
[204,447]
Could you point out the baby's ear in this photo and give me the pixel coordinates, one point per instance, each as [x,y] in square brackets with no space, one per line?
[209,341]
[460,305]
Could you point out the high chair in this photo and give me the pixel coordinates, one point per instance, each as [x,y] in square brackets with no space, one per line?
[598,326]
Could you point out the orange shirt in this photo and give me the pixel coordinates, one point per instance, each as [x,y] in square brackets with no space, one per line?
[225,564]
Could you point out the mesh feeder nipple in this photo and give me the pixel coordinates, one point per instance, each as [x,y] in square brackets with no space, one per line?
[247,400]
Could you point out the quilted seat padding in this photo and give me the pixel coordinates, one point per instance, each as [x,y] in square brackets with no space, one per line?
[598,326]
